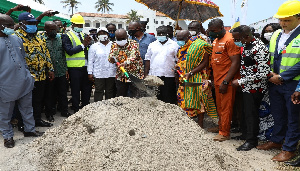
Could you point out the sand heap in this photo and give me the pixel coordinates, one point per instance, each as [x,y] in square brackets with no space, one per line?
[125,134]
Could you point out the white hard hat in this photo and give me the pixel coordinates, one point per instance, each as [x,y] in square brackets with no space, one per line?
[102,29]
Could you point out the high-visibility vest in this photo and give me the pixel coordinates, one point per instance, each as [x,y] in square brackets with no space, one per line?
[78,59]
[290,56]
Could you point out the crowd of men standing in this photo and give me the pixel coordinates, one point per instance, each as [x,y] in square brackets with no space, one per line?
[37,68]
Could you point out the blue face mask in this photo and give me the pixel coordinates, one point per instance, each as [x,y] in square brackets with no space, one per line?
[111,35]
[31,28]
[162,38]
[77,29]
[8,31]
[181,43]
[57,36]
[239,44]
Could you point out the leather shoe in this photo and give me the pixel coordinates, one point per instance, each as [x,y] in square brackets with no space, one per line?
[240,137]
[294,161]
[66,114]
[284,156]
[269,145]
[21,128]
[33,134]
[50,118]
[246,146]
[9,143]
[41,123]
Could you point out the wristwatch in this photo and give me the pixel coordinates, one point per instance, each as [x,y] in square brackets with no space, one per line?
[191,73]
[225,82]
[280,78]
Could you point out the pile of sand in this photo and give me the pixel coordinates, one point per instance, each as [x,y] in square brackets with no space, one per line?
[126,134]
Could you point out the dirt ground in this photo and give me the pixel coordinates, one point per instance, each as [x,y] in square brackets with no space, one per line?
[260,160]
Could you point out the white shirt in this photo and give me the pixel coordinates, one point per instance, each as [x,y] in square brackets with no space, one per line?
[283,39]
[163,58]
[98,64]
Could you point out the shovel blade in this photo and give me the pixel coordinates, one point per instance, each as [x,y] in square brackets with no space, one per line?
[191,84]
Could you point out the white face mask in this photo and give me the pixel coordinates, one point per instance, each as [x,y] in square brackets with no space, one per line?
[193,33]
[103,38]
[268,36]
[122,42]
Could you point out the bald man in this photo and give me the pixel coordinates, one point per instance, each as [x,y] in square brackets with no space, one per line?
[16,83]
[143,39]
[56,89]
[127,53]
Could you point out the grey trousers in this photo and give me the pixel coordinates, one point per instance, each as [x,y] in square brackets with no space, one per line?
[26,110]
[104,84]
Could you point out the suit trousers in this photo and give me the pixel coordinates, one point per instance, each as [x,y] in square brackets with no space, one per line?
[167,92]
[126,89]
[225,104]
[285,114]
[6,111]
[106,85]
[38,94]
[80,85]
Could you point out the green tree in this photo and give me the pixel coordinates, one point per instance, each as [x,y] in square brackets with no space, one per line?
[71,4]
[39,1]
[104,6]
[132,16]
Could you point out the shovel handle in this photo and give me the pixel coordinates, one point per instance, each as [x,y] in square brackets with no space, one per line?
[123,70]
[184,79]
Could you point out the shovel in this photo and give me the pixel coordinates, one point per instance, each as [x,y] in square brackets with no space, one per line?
[186,83]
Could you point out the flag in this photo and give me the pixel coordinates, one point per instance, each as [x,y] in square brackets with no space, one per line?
[244,8]
[233,5]
[236,24]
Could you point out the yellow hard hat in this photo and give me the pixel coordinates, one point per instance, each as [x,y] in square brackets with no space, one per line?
[287,9]
[77,19]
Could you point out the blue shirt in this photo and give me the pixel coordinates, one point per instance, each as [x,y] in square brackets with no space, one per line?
[298,87]
[144,43]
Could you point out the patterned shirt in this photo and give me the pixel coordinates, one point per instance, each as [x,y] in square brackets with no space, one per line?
[130,55]
[57,54]
[255,67]
[36,54]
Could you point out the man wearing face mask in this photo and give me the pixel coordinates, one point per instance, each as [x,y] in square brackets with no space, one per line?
[160,59]
[100,70]
[255,69]
[56,89]
[143,39]
[193,57]
[225,64]
[196,28]
[16,83]
[38,60]
[93,35]
[75,44]
[111,30]
[127,53]
[61,27]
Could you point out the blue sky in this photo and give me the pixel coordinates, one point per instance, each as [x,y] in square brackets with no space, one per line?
[257,9]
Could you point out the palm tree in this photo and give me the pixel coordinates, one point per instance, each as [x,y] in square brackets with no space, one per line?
[71,3]
[132,16]
[39,1]
[103,5]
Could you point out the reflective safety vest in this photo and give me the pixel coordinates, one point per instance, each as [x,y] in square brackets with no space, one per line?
[78,59]
[290,55]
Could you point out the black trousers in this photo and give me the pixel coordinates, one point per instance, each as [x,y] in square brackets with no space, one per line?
[126,89]
[251,112]
[80,84]
[38,93]
[56,91]
[167,92]
[104,84]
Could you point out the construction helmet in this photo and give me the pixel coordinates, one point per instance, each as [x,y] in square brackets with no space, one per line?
[288,8]
[77,19]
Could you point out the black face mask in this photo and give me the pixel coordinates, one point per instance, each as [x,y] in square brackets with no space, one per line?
[132,32]
[52,34]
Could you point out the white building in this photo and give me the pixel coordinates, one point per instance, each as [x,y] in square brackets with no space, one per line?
[96,20]
[258,26]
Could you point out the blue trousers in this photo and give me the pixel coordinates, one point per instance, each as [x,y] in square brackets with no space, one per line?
[285,114]
[26,110]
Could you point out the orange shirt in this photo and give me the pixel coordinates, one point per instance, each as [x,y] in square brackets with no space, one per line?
[222,49]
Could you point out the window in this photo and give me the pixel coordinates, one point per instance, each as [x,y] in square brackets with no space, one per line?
[170,23]
[87,25]
[156,22]
[162,22]
[147,19]
[147,27]
[120,26]
[97,25]
[126,27]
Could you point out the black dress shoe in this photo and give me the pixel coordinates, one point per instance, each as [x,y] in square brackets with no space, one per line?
[50,118]
[21,128]
[66,114]
[246,146]
[41,123]
[235,130]
[294,161]
[9,143]
[240,137]
[33,134]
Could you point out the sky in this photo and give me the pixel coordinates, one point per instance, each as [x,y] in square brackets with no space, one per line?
[257,9]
